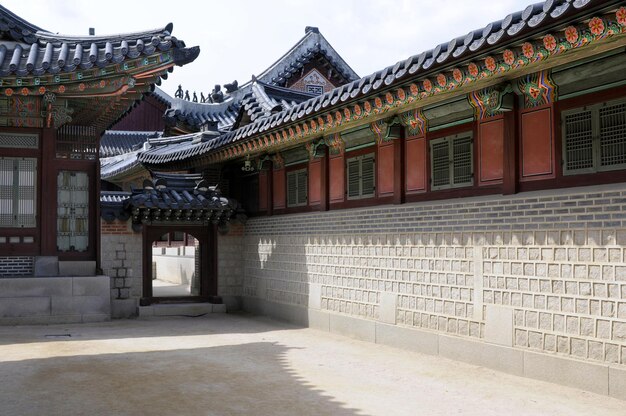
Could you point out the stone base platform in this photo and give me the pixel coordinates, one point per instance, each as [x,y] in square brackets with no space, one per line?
[54,300]
[180,309]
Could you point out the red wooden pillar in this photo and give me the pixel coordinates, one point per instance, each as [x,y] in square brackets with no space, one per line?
[264,191]
[398,169]
[48,210]
[336,170]
[279,199]
[510,181]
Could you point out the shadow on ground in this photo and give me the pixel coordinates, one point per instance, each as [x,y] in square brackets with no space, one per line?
[140,328]
[224,380]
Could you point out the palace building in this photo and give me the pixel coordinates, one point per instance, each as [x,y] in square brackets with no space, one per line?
[58,94]
[467,201]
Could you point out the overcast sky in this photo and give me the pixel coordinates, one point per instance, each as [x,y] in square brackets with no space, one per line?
[239,38]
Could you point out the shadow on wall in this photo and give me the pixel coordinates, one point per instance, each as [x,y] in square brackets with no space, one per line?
[241,379]
[277,271]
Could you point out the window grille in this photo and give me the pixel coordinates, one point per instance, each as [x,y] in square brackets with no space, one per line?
[77,142]
[361,176]
[613,135]
[452,163]
[19,141]
[18,192]
[72,211]
[594,138]
[579,140]
[297,188]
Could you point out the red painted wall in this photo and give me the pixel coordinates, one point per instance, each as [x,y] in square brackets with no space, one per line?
[536,145]
[415,165]
[279,188]
[385,169]
[263,186]
[491,148]
[337,178]
[315,176]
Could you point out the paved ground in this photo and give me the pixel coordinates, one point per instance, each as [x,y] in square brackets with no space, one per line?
[238,365]
[162,288]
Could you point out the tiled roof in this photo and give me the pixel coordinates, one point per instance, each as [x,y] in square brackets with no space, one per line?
[515,27]
[124,164]
[171,197]
[117,142]
[311,45]
[252,101]
[37,51]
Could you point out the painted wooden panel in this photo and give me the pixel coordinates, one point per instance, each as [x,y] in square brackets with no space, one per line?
[263,178]
[491,147]
[537,159]
[315,176]
[385,169]
[278,188]
[415,165]
[337,178]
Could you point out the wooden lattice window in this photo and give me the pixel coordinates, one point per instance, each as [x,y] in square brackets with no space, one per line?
[297,188]
[77,142]
[18,192]
[594,138]
[451,161]
[72,211]
[360,172]
[19,141]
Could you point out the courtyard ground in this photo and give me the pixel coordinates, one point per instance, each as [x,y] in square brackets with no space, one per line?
[242,365]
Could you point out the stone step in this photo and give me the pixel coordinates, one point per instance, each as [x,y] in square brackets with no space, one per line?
[180,309]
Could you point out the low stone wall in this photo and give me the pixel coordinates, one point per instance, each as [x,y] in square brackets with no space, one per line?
[54,300]
[541,276]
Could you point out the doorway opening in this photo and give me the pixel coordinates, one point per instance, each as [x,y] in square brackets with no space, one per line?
[180,264]
[175,265]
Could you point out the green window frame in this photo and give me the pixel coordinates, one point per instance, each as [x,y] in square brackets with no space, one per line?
[361,176]
[594,138]
[452,161]
[297,188]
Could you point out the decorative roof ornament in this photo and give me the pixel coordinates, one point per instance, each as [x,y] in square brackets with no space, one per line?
[232,87]
[179,92]
[217,96]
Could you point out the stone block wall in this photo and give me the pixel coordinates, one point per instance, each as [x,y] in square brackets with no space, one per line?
[541,272]
[230,269]
[16,266]
[54,300]
[120,259]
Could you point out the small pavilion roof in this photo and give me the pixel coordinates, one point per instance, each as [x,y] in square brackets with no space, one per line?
[171,198]
[69,71]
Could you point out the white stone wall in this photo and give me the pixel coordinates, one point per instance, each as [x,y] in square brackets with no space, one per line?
[230,267]
[540,272]
[120,259]
[176,265]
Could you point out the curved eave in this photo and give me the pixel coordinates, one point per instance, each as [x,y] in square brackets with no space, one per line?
[415,82]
